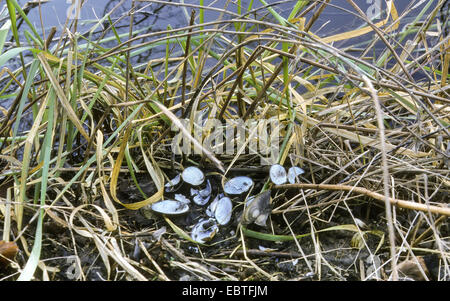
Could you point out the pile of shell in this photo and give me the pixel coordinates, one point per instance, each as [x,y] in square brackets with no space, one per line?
[256,209]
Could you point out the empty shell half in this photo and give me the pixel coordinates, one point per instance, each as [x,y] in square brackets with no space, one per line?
[221,209]
[170,207]
[238,185]
[257,209]
[173,184]
[278,174]
[204,230]
[193,175]
[293,172]
[212,207]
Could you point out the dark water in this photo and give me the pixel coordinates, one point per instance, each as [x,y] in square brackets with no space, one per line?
[339,16]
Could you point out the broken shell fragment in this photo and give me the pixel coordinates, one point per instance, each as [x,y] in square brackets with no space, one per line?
[278,174]
[238,185]
[293,172]
[220,209]
[257,209]
[173,184]
[170,207]
[204,230]
[181,198]
[201,197]
[193,175]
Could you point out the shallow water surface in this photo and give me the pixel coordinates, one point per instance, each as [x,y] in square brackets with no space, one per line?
[153,16]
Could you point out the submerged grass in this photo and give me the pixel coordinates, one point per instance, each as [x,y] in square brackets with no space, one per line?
[365,129]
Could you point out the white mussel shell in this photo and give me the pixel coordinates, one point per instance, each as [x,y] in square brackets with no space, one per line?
[170,207]
[204,230]
[261,220]
[238,185]
[201,197]
[223,210]
[278,174]
[193,175]
[257,209]
[181,198]
[293,172]
[212,207]
[173,184]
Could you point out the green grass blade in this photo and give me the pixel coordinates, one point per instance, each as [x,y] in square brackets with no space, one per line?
[12,53]
[298,7]
[31,74]
[33,260]
[4,33]
[25,18]
[276,15]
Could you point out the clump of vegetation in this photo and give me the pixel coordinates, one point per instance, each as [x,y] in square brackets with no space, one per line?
[86,143]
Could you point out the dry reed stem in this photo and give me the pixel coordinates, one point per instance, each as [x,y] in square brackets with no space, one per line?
[379,197]
[385,168]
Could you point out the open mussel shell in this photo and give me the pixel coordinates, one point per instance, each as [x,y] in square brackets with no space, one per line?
[170,207]
[212,207]
[204,230]
[201,197]
[221,209]
[193,175]
[257,209]
[278,174]
[238,185]
[293,172]
[173,184]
